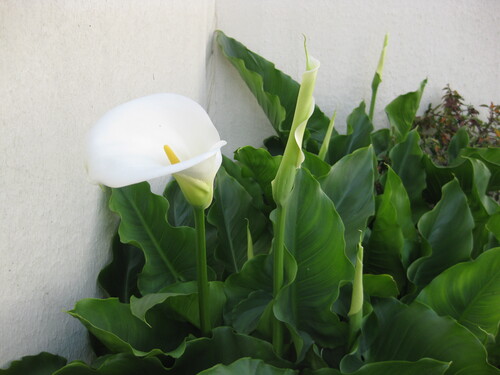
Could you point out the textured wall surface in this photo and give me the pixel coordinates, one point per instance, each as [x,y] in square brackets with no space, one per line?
[63,63]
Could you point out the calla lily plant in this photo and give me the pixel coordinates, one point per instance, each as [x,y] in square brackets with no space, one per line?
[161,135]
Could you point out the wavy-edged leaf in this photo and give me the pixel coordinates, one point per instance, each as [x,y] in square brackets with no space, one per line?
[113,324]
[250,292]
[359,128]
[393,231]
[249,183]
[313,236]
[229,213]
[247,366]
[224,347]
[41,364]
[119,278]
[182,301]
[350,186]
[410,333]
[468,292]
[402,110]
[447,233]
[260,165]
[169,252]
[275,91]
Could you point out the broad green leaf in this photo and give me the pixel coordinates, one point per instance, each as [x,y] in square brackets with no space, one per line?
[473,176]
[119,278]
[40,364]
[359,128]
[114,325]
[169,252]
[246,315]
[180,212]
[380,286]
[182,302]
[250,292]
[261,166]
[393,231]
[491,157]
[247,366]
[447,231]
[249,183]
[117,364]
[406,160]
[410,333]
[315,165]
[468,292]
[459,141]
[313,236]
[224,347]
[350,186]
[229,213]
[275,91]
[402,110]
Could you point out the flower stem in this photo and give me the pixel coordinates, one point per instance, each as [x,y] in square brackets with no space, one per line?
[201,268]
[279,251]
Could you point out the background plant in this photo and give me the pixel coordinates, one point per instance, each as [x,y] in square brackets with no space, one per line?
[429,253]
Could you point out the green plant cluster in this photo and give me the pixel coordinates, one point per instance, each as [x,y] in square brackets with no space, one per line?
[425,276]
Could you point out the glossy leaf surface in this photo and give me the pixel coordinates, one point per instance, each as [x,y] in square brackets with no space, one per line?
[410,333]
[350,186]
[168,251]
[313,236]
[468,292]
[448,226]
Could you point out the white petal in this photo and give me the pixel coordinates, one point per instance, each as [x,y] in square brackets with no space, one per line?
[126,145]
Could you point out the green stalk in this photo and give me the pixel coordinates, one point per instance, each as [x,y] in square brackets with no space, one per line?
[356,311]
[201,268]
[326,141]
[279,253]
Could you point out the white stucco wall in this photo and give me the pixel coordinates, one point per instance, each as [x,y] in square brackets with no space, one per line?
[63,63]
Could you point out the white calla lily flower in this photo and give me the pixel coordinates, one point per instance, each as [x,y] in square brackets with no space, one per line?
[154,136]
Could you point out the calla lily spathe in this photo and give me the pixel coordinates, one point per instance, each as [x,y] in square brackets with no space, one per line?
[156,135]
